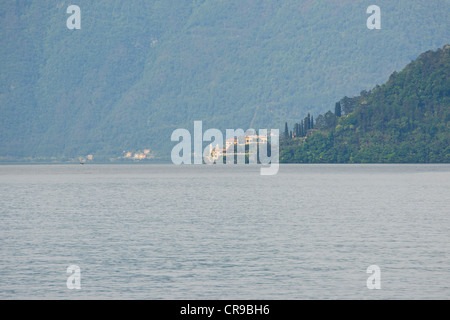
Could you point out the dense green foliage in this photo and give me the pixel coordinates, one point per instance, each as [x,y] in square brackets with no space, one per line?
[139,69]
[407,119]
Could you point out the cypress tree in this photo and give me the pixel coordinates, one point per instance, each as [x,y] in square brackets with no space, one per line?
[338,110]
[307,123]
[286,131]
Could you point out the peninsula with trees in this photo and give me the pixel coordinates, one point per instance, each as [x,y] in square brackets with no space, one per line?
[405,120]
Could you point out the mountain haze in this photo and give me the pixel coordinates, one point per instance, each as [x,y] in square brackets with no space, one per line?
[139,69]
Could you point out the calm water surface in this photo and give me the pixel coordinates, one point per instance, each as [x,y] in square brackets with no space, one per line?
[200,232]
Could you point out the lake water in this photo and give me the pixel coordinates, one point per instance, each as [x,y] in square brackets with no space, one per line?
[209,232]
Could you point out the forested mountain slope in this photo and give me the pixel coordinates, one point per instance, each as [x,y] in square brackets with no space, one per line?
[406,120]
[139,69]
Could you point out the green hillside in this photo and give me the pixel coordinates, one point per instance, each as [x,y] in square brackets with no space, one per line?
[139,69]
[406,120]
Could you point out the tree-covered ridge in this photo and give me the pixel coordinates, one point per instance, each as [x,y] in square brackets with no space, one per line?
[405,120]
